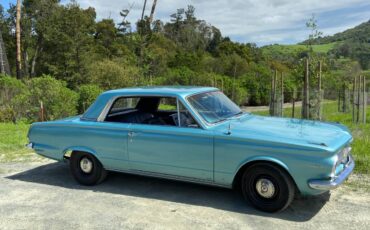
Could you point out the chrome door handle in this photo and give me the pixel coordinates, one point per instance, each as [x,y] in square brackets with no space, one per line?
[132,134]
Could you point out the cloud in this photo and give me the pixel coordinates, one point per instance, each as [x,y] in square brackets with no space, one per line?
[259,21]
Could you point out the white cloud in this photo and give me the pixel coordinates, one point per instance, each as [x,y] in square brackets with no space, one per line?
[260,21]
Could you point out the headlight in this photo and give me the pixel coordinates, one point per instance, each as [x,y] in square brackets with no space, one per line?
[343,155]
[342,158]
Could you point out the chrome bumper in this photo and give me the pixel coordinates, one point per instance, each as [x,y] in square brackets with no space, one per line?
[29,145]
[336,181]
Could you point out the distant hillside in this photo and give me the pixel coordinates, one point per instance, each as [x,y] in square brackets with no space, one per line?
[352,44]
[360,33]
[273,50]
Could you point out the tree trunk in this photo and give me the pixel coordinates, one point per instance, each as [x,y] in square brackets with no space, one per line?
[25,62]
[152,11]
[142,13]
[34,60]
[18,40]
[4,64]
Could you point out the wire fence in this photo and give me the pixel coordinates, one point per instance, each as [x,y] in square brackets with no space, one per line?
[328,105]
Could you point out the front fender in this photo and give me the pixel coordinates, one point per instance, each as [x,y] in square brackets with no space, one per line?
[262,158]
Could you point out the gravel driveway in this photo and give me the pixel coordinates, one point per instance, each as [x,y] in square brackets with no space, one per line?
[45,196]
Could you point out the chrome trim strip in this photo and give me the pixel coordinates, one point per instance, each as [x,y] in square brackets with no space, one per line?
[170,177]
[336,181]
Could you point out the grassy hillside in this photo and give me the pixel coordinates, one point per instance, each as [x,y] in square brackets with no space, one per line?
[272,50]
[359,33]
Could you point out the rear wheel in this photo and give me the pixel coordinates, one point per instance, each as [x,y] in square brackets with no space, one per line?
[267,187]
[86,169]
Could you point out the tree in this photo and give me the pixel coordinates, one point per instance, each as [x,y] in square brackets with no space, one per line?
[311,24]
[18,38]
[152,11]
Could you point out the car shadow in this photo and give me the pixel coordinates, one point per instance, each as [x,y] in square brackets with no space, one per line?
[57,174]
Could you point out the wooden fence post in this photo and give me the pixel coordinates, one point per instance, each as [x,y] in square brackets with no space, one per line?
[293,102]
[306,94]
[282,94]
[354,99]
[364,99]
[320,92]
[41,111]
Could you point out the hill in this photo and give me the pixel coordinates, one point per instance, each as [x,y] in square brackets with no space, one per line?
[360,33]
[352,44]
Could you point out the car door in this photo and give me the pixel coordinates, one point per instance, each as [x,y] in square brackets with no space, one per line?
[172,150]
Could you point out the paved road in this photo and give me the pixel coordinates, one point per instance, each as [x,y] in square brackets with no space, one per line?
[45,196]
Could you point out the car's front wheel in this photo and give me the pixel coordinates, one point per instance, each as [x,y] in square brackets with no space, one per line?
[267,187]
[86,169]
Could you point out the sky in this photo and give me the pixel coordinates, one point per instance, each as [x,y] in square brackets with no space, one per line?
[258,21]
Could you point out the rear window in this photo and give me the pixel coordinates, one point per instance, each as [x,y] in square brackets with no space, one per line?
[124,103]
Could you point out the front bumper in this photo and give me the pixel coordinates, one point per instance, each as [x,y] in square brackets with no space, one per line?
[335,181]
[29,145]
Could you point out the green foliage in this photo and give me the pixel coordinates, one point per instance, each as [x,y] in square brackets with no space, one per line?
[57,99]
[11,93]
[88,94]
[111,74]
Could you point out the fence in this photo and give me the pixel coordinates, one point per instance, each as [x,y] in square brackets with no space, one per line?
[325,105]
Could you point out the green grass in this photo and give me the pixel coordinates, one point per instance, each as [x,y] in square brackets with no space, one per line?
[360,132]
[293,49]
[13,138]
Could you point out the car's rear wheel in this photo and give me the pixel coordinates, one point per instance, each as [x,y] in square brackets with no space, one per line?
[267,187]
[86,169]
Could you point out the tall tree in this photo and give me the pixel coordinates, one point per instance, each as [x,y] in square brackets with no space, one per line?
[142,13]
[18,38]
[152,11]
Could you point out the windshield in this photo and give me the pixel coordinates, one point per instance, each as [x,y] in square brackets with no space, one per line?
[214,106]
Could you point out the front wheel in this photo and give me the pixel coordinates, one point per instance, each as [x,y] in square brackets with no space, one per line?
[86,169]
[267,187]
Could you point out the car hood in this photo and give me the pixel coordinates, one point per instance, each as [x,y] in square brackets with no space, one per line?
[330,136]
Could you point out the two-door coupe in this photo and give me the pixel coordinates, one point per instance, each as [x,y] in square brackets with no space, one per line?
[197,134]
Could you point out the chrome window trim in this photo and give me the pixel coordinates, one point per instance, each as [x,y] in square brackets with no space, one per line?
[107,107]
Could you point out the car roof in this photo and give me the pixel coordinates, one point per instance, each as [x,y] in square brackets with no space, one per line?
[161,90]
[94,111]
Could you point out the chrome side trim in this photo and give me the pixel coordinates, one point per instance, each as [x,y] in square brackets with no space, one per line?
[335,181]
[170,177]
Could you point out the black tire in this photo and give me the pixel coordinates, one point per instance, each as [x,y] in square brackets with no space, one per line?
[95,175]
[275,187]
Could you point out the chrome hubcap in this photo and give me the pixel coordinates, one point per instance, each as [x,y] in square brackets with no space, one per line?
[86,165]
[265,188]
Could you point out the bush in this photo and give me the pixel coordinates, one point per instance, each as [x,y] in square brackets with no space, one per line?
[11,91]
[110,74]
[88,94]
[57,99]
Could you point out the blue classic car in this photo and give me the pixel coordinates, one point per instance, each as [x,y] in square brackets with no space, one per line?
[197,134]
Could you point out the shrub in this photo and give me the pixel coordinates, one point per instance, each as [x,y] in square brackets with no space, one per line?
[11,91]
[110,74]
[57,99]
[88,94]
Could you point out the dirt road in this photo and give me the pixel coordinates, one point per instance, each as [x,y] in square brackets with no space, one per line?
[45,196]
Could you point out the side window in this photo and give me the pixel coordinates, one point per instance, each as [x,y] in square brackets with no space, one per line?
[151,111]
[124,103]
[167,104]
[186,119]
